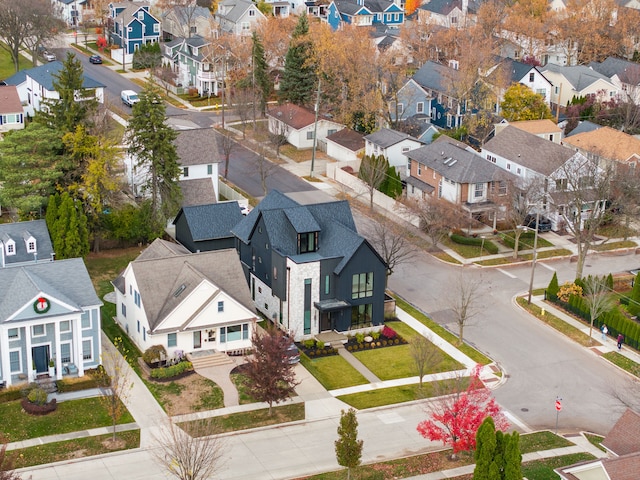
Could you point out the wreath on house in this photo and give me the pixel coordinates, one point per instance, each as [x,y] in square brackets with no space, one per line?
[41,305]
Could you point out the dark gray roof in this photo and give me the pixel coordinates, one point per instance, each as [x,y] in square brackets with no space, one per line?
[628,72]
[197,191]
[385,137]
[455,162]
[159,278]
[423,186]
[44,75]
[17,78]
[529,150]
[435,76]
[348,138]
[197,147]
[350,7]
[583,127]
[238,7]
[516,70]
[64,280]
[16,231]
[284,218]
[444,7]
[207,222]
[579,76]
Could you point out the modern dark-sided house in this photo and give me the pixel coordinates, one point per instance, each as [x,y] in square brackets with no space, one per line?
[201,228]
[308,268]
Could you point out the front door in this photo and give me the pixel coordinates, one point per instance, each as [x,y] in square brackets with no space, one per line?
[197,339]
[325,321]
[41,358]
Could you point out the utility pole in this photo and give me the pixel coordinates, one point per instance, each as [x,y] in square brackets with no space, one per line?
[315,130]
[535,255]
[224,62]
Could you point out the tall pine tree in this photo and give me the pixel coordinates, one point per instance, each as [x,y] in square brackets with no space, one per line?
[485,449]
[298,83]
[67,227]
[150,141]
[497,454]
[262,82]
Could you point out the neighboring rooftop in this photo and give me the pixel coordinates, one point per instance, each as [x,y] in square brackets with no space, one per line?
[607,143]
[348,138]
[385,137]
[212,221]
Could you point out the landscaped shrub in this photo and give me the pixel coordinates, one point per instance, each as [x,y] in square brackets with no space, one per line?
[153,355]
[75,384]
[172,371]
[634,298]
[37,396]
[487,245]
[567,289]
[552,289]
[319,345]
[389,332]
[35,409]
[360,337]
[309,343]
[375,335]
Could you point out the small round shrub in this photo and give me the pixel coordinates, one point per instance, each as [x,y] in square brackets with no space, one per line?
[309,344]
[396,341]
[154,354]
[37,396]
[319,345]
[384,343]
[360,337]
[311,353]
[375,335]
[378,344]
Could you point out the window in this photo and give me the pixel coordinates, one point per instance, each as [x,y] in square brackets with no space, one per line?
[185,171]
[141,16]
[478,190]
[405,149]
[11,248]
[31,246]
[400,108]
[420,107]
[561,184]
[409,165]
[551,137]
[307,242]
[14,361]
[556,89]
[234,332]
[327,284]
[10,118]
[38,330]
[310,135]
[362,285]
[138,326]
[123,310]
[129,29]
[542,92]
[419,169]
[86,322]
[65,326]
[245,26]
[508,166]
[331,131]
[209,169]
[532,77]
[65,352]
[491,158]
[156,28]
[14,334]
[220,307]
[519,171]
[361,315]
[172,339]
[252,12]
[454,20]
[87,349]
[144,335]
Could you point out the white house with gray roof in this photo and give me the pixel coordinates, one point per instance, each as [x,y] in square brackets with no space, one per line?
[308,269]
[238,17]
[623,74]
[49,311]
[571,82]
[186,21]
[186,302]
[35,86]
[393,145]
[198,157]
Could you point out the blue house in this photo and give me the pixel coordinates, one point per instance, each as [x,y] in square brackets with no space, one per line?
[429,92]
[131,25]
[365,13]
[49,310]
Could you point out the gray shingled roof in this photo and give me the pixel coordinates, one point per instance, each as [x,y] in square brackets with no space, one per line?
[583,127]
[348,138]
[628,72]
[159,278]
[197,191]
[16,231]
[197,147]
[65,280]
[385,137]
[207,222]
[435,76]
[237,10]
[528,150]
[338,237]
[44,75]
[349,7]
[579,76]
[455,162]
[444,7]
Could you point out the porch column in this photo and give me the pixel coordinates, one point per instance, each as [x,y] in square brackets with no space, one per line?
[29,355]
[76,333]
[56,339]
[95,322]
[4,349]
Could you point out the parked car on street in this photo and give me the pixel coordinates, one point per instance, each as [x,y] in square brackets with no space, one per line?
[129,97]
[544,226]
[49,57]
[95,59]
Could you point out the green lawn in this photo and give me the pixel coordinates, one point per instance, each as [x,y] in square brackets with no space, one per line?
[6,64]
[539,441]
[405,393]
[526,241]
[543,469]
[70,416]
[623,362]
[333,372]
[85,447]
[614,245]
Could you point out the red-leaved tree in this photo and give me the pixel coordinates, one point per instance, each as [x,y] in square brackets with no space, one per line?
[455,418]
[101,43]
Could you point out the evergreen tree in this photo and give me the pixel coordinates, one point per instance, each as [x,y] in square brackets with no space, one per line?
[150,141]
[67,113]
[513,458]
[554,287]
[69,232]
[298,83]
[485,449]
[260,72]
[634,300]
[391,185]
[52,213]
[609,282]
[348,447]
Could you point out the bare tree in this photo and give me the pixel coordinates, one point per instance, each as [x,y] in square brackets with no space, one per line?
[463,299]
[597,298]
[271,376]
[278,134]
[373,171]
[115,382]
[195,455]
[165,76]
[437,216]
[424,354]
[391,242]
[242,100]
[227,145]
[264,167]
[7,462]
[625,194]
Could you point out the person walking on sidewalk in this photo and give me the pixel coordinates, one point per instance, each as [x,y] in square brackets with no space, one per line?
[620,340]
[605,330]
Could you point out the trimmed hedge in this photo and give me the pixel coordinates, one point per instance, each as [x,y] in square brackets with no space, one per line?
[76,384]
[172,371]
[488,245]
[10,394]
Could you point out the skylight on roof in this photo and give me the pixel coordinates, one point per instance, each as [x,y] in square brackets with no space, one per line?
[180,289]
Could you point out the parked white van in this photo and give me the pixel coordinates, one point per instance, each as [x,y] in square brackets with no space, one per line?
[129,97]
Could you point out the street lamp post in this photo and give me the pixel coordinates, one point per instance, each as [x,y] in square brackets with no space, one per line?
[535,256]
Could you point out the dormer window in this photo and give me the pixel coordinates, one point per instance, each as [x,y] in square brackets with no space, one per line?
[30,242]
[307,242]
[10,247]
